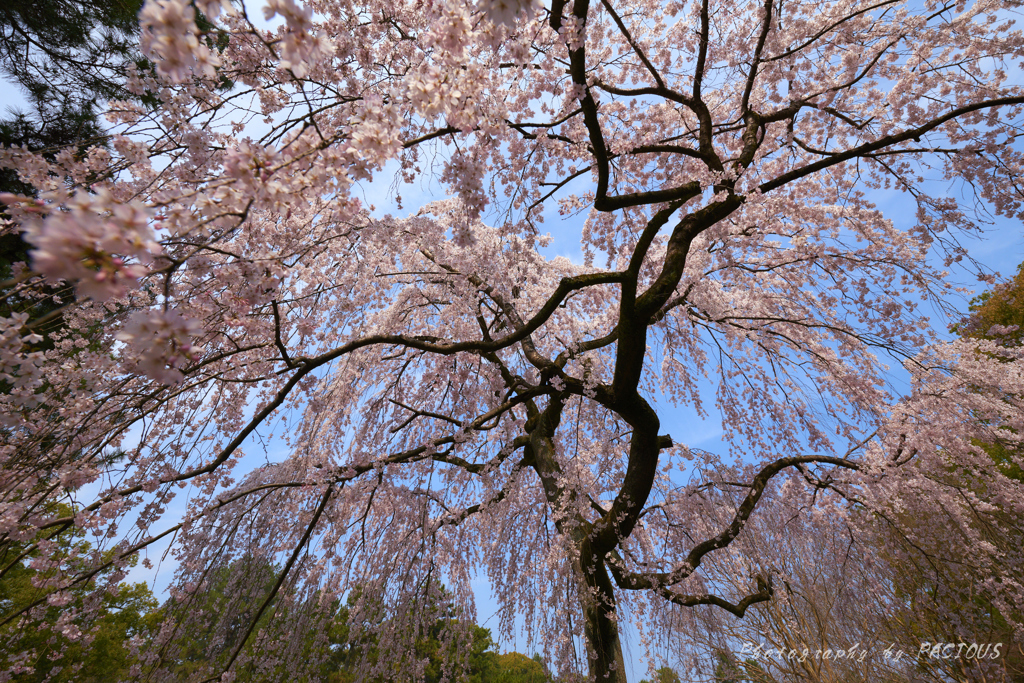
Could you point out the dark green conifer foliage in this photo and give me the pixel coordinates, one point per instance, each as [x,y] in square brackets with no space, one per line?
[69,56]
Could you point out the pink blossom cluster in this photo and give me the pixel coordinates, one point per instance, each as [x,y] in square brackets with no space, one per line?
[373,134]
[20,369]
[505,12]
[161,343]
[101,245]
[301,44]
[171,38]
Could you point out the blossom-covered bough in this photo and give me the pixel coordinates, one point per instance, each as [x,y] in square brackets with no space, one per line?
[455,403]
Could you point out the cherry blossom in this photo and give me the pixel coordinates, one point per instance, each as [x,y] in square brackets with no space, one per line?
[261,369]
[505,12]
[87,240]
[172,38]
[161,342]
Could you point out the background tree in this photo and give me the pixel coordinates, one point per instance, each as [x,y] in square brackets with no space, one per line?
[67,638]
[453,401]
[997,313]
[515,667]
[338,645]
[934,582]
[69,57]
[837,590]
[665,674]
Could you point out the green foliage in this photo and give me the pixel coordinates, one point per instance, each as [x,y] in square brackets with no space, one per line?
[57,652]
[224,617]
[514,667]
[731,670]
[69,54]
[53,130]
[727,670]
[482,663]
[1003,305]
[42,302]
[996,315]
[664,674]
[211,623]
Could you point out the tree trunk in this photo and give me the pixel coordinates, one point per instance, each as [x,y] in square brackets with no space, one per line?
[601,627]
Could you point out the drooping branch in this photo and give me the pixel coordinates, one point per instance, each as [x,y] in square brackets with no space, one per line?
[251,626]
[763,594]
[884,142]
[410,455]
[658,580]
